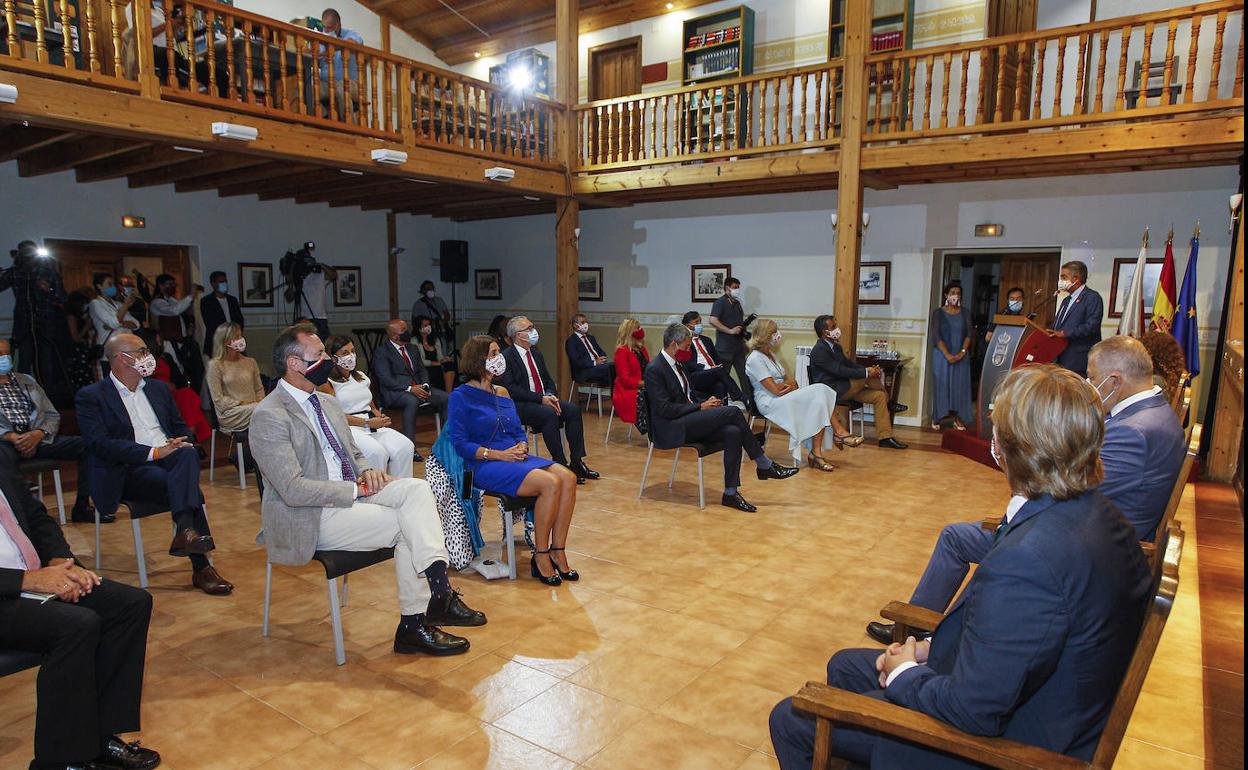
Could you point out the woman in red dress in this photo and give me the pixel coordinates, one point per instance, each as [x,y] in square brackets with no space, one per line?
[631,358]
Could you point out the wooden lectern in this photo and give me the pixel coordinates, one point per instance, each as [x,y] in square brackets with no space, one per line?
[1018,340]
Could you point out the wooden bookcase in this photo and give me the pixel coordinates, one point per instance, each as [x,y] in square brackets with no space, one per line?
[717,46]
[891,27]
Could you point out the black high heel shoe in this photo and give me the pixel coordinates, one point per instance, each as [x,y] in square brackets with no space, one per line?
[571,574]
[552,580]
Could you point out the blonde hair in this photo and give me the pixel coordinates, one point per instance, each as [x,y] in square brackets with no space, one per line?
[763,329]
[1049,427]
[224,332]
[624,334]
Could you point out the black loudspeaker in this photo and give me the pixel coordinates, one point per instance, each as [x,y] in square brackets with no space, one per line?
[454,262]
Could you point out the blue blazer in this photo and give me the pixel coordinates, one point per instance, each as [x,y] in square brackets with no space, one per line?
[112,450]
[578,356]
[1036,646]
[1142,454]
[1082,326]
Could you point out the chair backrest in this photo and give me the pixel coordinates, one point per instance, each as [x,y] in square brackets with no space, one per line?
[1192,436]
[1181,397]
[368,340]
[643,414]
[1165,585]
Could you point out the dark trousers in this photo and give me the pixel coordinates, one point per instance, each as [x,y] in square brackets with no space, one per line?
[602,374]
[175,480]
[959,546]
[716,382]
[322,327]
[410,403]
[735,360]
[91,678]
[726,425]
[61,448]
[793,732]
[545,421]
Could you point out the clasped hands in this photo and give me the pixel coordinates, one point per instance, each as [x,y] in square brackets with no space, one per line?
[512,454]
[171,446]
[553,403]
[372,481]
[64,578]
[420,391]
[897,653]
[26,443]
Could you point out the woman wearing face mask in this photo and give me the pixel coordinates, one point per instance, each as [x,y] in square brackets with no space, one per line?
[370,429]
[233,379]
[486,431]
[110,311]
[437,360]
[804,413]
[950,331]
[631,358]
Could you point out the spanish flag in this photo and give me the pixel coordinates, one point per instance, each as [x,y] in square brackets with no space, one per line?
[1163,301]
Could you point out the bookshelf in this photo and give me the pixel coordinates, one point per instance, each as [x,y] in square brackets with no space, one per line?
[717,46]
[891,27]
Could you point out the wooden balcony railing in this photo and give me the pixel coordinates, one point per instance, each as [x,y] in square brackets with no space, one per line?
[33,39]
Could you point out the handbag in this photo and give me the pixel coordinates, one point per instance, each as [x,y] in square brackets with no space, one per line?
[643,412]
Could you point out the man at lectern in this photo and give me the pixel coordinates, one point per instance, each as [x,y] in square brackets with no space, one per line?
[1013,306]
[1078,317]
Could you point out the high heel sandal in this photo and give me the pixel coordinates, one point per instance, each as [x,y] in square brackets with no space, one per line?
[551,580]
[820,464]
[571,574]
[849,439]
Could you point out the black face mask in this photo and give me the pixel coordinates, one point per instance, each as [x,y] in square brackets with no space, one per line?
[405,337]
[318,372]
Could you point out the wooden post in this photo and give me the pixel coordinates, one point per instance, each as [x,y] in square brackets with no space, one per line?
[1228,422]
[849,188]
[392,242]
[149,84]
[567,209]
[385,34]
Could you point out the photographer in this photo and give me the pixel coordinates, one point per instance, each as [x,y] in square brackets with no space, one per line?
[307,283]
[39,332]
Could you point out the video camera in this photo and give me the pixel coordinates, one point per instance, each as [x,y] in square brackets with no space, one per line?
[745,333]
[298,265]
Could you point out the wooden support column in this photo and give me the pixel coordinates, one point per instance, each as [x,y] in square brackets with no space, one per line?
[567,209]
[849,187]
[392,242]
[1228,421]
[149,84]
[385,33]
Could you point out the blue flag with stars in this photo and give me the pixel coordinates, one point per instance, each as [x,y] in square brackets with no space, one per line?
[1186,331]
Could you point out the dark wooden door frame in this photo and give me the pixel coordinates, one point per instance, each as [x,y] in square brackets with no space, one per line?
[628,42]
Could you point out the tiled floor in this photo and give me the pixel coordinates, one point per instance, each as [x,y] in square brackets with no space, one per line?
[687,626]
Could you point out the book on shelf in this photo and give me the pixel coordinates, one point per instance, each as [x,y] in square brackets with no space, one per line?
[886,41]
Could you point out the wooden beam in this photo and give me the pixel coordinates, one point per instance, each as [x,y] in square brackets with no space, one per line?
[62,155]
[385,32]
[292,186]
[876,182]
[291,182]
[208,164]
[392,242]
[366,187]
[257,174]
[567,209]
[17,140]
[143,159]
[849,187]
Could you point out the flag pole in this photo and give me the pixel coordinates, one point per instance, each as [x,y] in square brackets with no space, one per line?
[1145,243]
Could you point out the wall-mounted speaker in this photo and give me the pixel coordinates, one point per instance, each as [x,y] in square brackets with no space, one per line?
[454,262]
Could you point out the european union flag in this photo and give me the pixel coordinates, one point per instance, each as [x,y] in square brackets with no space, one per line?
[1186,331]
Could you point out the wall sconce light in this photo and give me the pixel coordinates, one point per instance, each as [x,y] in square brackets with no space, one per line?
[1235,202]
[866,222]
[235,131]
[576,238]
[8,93]
[989,231]
[835,218]
[129,221]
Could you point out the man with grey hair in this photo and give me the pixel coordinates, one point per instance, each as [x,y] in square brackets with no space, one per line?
[1078,318]
[678,418]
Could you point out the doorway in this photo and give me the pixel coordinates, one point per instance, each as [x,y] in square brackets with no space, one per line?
[80,260]
[614,71]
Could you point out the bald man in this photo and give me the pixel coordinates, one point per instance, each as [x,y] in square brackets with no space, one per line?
[402,379]
[140,449]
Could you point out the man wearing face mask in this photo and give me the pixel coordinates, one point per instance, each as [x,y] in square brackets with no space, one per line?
[403,379]
[539,406]
[141,450]
[217,308]
[586,358]
[706,374]
[830,365]
[1142,454]
[1013,306]
[433,307]
[728,318]
[1078,318]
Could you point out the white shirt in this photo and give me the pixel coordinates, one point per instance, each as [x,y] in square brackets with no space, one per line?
[314,288]
[704,358]
[104,315]
[147,430]
[10,554]
[588,345]
[406,355]
[333,466]
[1138,397]
[174,308]
[1074,297]
[225,308]
[680,373]
[537,387]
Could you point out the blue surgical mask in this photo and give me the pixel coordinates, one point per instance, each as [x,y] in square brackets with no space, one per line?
[110,291]
[223,288]
[697,328]
[6,364]
[1015,305]
[533,336]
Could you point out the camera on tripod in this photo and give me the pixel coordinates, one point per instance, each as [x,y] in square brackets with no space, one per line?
[298,265]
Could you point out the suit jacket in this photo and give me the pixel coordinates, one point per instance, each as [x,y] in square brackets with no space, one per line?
[696,363]
[666,397]
[44,533]
[210,310]
[43,416]
[1142,454]
[516,378]
[1036,646]
[391,373]
[297,487]
[830,366]
[578,357]
[112,450]
[1082,326]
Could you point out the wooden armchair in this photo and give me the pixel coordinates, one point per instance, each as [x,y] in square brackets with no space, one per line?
[830,705]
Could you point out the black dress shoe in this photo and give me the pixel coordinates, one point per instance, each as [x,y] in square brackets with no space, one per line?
[880,632]
[420,637]
[735,500]
[88,517]
[583,471]
[776,471]
[450,610]
[128,756]
[891,443]
[189,541]
[897,408]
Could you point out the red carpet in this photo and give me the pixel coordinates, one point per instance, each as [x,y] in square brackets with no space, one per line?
[967,444]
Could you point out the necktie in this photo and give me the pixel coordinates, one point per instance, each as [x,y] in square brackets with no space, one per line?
[348,474]
[590,348]
[1061,313]
[407,360]
[706,359]
[683,382]
[9,521]
[538,388]
[1001,529]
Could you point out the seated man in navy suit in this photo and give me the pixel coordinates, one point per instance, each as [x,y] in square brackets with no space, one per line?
[403,380]
[1078,317]
[586,358]
[1036,647]
[706,372]
[141,450]
[1142,454]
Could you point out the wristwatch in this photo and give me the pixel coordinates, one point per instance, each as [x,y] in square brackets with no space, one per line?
[485,453]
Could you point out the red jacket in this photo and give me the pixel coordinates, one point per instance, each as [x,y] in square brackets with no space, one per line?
[627,381]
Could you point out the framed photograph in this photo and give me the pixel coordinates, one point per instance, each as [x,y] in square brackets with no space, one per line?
[875,281]
[349,288]
[255,284]
[1124,274]
[589,284]
[706,282]
[489,284]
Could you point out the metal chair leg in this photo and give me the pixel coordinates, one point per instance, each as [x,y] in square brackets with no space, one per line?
[212,455]
[600,403]
[675,461]
[644,471]
[607,436]
[138,551]
[39,485]
[344,590]
[335,616]
[242,469]
[60,495]
[437,421]
[701,486]
[268,593]
[509,545]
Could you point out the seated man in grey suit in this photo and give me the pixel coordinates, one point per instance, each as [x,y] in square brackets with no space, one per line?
[402,379]
[1142,453]
[319,494]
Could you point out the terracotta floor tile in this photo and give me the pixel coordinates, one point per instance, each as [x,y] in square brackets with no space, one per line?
[635,676]
[675,744]
[400,738]
[490,748]
[557,649]
[1136,753]
[497,685]
[723,706]
[772,664]
[759,761]
[243,736]
[570,721]
[317,752]
[732,610]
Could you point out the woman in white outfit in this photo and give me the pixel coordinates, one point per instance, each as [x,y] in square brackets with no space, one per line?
[383,446]
[804,413]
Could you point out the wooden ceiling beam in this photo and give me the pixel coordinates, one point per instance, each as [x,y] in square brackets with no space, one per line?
[206,164]
[142,159]
[16,140]
[329,180]
[63,156]
[446,197]
[291,182]
[350,191]
[256,174]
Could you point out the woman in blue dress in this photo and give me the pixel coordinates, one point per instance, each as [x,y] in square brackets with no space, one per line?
[486,431]
[950,331]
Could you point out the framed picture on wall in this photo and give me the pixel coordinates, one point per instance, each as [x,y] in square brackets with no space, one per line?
[489,284]
[1124,274]
[349,288]
[706,282]
[875,281]
[589,284]
[255,284]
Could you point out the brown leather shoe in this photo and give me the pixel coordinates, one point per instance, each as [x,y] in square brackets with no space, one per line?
[210,582]
[188,541]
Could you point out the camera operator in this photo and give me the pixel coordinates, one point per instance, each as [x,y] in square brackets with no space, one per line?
[307,284]
[39,328]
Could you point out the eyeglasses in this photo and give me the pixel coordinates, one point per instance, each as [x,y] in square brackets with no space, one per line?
[137,353]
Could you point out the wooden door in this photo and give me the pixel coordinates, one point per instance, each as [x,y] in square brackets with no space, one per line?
[615,70]
[1034,273]
[1009,17]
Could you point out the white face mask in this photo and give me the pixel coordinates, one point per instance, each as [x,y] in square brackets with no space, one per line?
[953,300]
[992,450]
[430,294]
[834,334]
[735,293]
[145,366]
[1097,388]
[496,366]
[775,339]
[1015,305]
[426,330]
[239,344]
[347,362]
[581,328]
[1064,285]
[533,336]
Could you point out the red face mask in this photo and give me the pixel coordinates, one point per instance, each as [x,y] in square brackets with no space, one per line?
[684,355]
[640,334]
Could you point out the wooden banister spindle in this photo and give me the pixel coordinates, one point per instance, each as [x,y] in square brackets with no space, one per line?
[982,96]
[1168,71]
[775,112]
[10,26]
[249,73]
[188,20]
[1145,58]
[170,71]
[1099,100]
[947,71]
[962,88]
[928,107]
[912,98]
[1059,73]
[299,48]
[1215,69]
[821,112]
[1041,49]
[788,113]
[211,34]
[264,63]
[1020,75]
[41,43]
[1080,96]
[67,42]
[877,115]
[1120,102]
[115,14]
[1192,51]
[1238,90]
[805,87]
[93,49]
